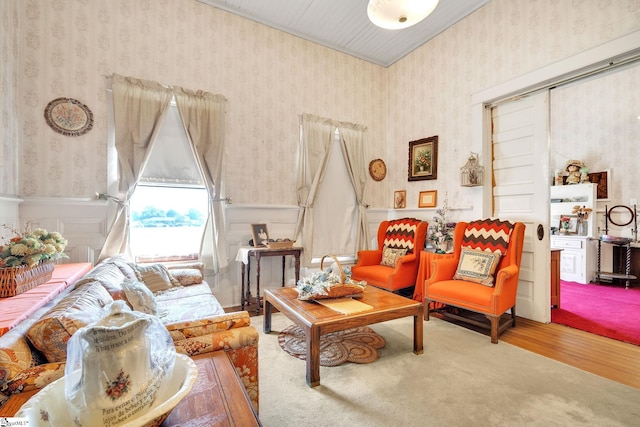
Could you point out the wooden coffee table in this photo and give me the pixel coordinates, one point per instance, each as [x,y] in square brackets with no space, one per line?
[316,319]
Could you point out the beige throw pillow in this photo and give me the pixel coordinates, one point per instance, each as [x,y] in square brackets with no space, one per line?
[477,266]
[187,276]
[140,297]
[390,256]
[155,276]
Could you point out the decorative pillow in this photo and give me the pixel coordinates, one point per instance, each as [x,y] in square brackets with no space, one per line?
[187,276]
[140,298]
[124,264]
[401,233]
[489,235]
[109,276]
[390,256]
[477,266]
[15,357]
[36,377]
[81,307]
[155,276]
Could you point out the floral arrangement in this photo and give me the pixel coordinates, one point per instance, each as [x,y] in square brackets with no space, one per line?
[423,159]
[441,229]
[565,224]
[32,247]
[582,212]
[320,282]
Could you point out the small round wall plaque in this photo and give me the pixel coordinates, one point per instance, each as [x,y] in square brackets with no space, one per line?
[377,169]
[68,116]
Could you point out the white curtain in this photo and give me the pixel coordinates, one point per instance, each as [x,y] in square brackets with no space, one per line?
[352,137]
[202,115]
[139,107]
[317,136]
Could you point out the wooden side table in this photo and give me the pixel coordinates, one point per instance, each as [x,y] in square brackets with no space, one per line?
[555,277]
[258,253]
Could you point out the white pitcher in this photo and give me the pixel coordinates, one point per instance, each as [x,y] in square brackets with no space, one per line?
[115,368]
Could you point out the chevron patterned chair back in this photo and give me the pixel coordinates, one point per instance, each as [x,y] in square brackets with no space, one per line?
[394,265]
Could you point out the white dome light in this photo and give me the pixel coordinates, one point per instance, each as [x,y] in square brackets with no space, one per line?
[398,14]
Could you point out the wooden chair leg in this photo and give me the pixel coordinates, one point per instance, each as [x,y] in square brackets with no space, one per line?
[513,316]
[427,303]
[495,322]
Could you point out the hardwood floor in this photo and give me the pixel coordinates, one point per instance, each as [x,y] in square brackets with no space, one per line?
[612,359]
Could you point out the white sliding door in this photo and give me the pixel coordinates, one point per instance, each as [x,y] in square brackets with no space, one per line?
[520,145]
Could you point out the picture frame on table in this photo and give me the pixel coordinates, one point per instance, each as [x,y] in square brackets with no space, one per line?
[428,199]
[400,199]
[260,235]
[573,224]
[423,159]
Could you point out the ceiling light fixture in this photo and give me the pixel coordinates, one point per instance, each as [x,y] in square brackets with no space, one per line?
[398,14]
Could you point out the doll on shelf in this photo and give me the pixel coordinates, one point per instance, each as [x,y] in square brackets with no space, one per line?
[573,167]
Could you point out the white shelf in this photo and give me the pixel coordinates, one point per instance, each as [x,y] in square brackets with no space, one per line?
[578,259]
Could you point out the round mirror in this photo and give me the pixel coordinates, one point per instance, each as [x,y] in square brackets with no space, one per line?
[621,215]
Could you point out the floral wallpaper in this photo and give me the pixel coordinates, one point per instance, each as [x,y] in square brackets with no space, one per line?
[8,102]
[68,48]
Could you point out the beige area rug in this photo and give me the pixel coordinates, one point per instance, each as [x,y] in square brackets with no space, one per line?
[357,345]
[460,380]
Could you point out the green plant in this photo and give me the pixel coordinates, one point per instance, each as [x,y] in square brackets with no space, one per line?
[32,247]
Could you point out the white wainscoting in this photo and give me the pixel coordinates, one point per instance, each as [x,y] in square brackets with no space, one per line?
[9,216]
[84,222]
[281,223]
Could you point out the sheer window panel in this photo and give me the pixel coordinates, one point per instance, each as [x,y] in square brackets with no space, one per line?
[335,211]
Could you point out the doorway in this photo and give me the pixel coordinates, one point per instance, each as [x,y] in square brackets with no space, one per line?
[596,121]
[596,58]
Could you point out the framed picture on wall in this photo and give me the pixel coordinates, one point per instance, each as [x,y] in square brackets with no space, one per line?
[400,199]
[428,199]
[423,159]
[602,181]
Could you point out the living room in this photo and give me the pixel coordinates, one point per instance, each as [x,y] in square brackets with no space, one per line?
[70,49]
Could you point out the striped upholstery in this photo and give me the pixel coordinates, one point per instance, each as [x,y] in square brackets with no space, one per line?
[489,235]
[401,234]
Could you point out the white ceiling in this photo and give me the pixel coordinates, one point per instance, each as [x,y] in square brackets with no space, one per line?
[343,25]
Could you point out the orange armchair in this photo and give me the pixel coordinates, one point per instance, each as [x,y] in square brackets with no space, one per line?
[492,301]
[405,233]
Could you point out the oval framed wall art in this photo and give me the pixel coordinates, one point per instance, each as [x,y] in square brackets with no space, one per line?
[68,116]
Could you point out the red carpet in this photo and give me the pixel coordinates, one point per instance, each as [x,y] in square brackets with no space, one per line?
[608,310]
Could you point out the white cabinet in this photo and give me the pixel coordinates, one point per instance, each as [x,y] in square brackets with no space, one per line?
[578,258]
[577,261]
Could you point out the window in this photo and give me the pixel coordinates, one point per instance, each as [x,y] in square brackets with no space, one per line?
[167,222]
[170,204]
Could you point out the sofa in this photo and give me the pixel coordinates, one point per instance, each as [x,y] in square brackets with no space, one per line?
[33,354]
